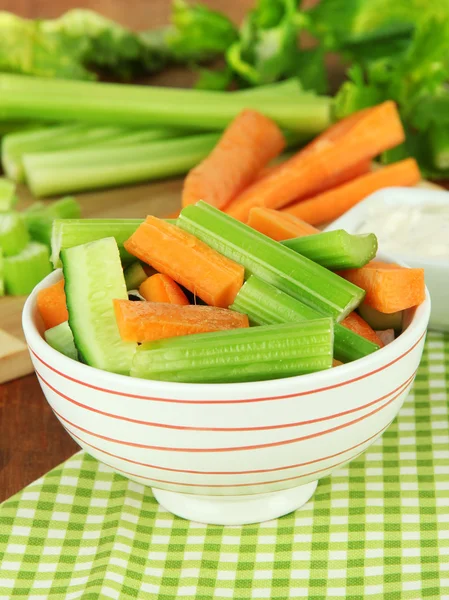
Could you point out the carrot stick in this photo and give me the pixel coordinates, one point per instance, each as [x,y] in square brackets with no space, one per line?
[51,304]
[277,225]
[357,139]
[162,288]
[389,287]
[246,146]
[174,214]
[355,323]
[333,203]
[202,270]
[148,321]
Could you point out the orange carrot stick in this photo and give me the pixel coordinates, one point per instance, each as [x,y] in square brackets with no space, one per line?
[173,215]
[332,204]
[246,146]
[51,304]
[277,225]
[389,287]
[170,250]
[355,323]
[162,288]
[148,321]
[358,138]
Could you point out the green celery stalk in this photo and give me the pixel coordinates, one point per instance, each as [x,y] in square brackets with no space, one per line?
[254,354]
[67,233]
[8,196]
[131,137]
[134,275]
[2,279]
[13,233]
[61,339]
[292,273]
[381,321]
[39,217]
[266,305]
[336,249]
[25,270]
[61,172]
[133,105]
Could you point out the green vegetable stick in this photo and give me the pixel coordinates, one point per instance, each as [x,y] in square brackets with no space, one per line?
[25,270]
[8,196]
[292,273]
[254,354]
[39,217]
[134,275]
[266,305]
[2,280]
[61,339]
[336,249]
[13,233]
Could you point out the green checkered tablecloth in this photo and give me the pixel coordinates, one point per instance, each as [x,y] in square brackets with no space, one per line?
[378,528]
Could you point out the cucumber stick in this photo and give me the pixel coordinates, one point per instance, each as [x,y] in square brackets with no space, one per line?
[93,279]
[61,339]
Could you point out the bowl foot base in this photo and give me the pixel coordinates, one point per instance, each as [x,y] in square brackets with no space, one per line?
[235,510]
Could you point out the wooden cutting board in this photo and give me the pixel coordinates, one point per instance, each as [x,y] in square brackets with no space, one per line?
[160,199]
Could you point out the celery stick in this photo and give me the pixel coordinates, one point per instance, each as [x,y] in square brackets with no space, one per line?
[292,273]
[134,275]
[67,233]
[381,321]
[13,233]
[2,280]
[336,249]
[61,339]
[8,196]
[255,354]
[142,136]
[78,170]
[266,305]
[39,217]
[25,270]
[134,105]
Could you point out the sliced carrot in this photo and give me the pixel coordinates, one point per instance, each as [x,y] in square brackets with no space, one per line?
[332,204]
[246,146]
[336,363]
[179,254]
[389,287]
[174,214]
[355,140]
[162,288]
[277,225]
[51,304]
[355,323]
[148,321]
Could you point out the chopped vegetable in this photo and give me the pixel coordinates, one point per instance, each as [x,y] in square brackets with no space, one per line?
[332,204]
[190,262]
[247,145]
[8,196]
[148,321]
[380,321]
[272,262]
[389,287]
[134,275]
[336,249]
[266,305]
[344,145]
[439,144]
[355,323]
[229,356]
[162,288]
[23,271]
[278,225]
[52,306]
[61,339]
[386,336]
[13,233]
[93,279]
[39,217]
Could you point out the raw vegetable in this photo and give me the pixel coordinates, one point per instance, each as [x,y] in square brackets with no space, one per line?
[8,196]
[39,217]
[347,143]
[60,172]
[336,249]
[386,336]
[278,225]
[380,321]
[93,279]
[134,275]
[13,233]
[290,272]
[190,262]
[266,305]
[246,146]
[74,232]
[332,204]
[439,143]
[162,288]
[61,339]
[148,321]
[52,306]
[355,323]
[23,271]
[389,287]
[228,356]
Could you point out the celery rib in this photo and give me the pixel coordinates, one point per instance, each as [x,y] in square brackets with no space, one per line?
[13,233]
[23,271]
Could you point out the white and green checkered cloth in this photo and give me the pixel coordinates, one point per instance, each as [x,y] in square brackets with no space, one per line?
[377,529]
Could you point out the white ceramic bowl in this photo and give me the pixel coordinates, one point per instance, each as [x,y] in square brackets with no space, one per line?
[436,271]
[228,453]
